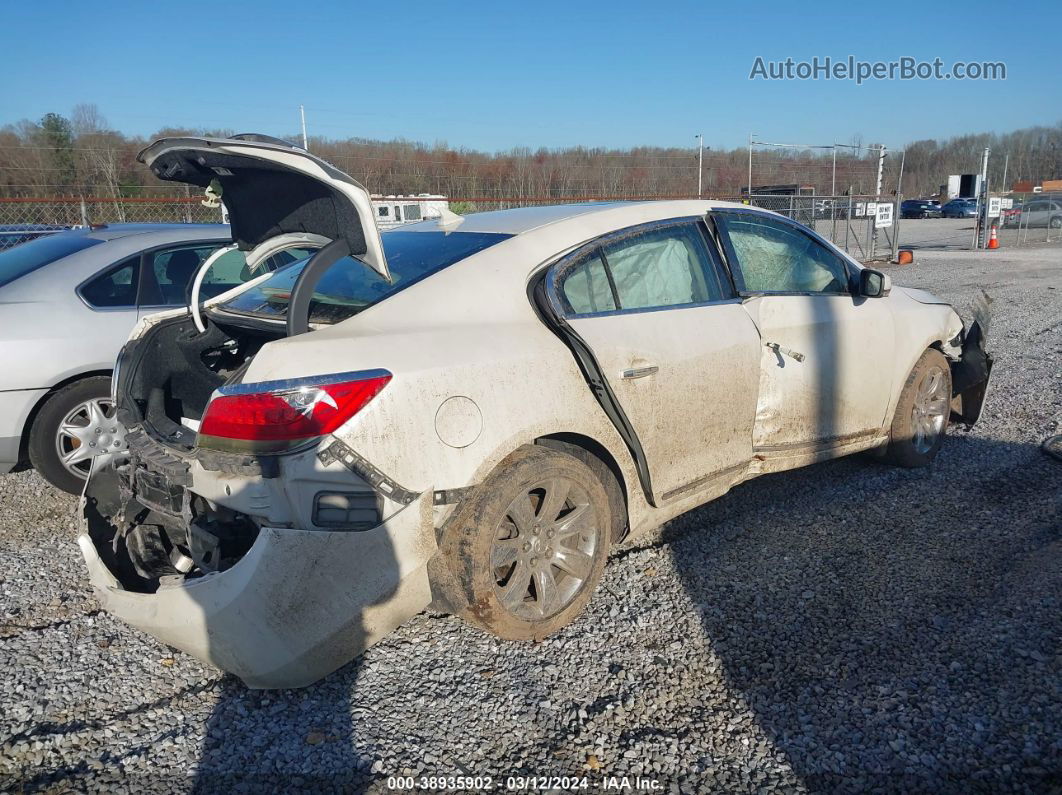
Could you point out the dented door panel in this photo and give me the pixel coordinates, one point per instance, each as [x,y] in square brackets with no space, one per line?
[822,377]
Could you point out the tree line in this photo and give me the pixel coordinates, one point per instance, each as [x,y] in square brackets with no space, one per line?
[80,155]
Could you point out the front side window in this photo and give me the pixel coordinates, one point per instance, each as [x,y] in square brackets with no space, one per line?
[412,212]
[116,288]
[771,256]
[228,271]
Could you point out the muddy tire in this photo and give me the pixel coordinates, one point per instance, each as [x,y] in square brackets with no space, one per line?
[74,423]
[525,551]
[921,418]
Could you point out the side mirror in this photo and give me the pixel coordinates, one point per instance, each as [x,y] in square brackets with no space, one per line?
[874,284]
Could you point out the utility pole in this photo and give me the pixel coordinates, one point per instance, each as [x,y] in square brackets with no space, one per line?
[700,162]
[980,235]
[750,169]
[877,198]
[896,209]
[1006,162]
[833,179]
[302,115]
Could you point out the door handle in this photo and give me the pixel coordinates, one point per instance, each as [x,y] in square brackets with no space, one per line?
[774,346]
[640,372]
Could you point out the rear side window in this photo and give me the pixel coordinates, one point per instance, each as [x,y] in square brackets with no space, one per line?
[25,258]
[586,287]
[116,288]
[656,268]
[662,267]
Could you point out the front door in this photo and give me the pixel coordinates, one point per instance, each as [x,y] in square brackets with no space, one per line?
[825,362]
[675,345]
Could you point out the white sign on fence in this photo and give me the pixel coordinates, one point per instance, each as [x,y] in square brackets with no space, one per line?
[860,209]
[993,207]
[872,209]
[883,215]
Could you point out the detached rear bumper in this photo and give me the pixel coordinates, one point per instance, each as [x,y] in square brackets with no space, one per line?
[297,606]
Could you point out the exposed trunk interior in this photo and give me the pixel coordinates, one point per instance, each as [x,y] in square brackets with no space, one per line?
[167,376]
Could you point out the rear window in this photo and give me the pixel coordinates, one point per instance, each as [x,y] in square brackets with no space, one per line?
[349,286]
[29,256]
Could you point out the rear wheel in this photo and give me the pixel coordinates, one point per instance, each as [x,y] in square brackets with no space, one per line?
[75,424]
[527,549]
[921,418]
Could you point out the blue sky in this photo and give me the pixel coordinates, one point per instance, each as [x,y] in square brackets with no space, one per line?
[497,75]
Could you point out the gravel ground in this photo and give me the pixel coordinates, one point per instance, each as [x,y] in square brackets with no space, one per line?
[847,627]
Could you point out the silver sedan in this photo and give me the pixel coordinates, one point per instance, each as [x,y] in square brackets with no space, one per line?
[68,302]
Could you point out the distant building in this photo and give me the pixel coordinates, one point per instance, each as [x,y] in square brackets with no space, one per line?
[792,189]
[394,211]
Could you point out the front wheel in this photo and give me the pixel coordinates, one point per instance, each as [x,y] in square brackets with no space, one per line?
[527,549]
[75,424]
[922,412]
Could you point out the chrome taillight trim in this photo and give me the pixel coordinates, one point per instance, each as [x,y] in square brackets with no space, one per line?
[307,382]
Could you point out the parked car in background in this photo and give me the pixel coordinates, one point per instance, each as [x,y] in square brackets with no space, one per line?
[960,208]
[13,234]
[471,411]
[67,304]
[920,208]
[1036,213]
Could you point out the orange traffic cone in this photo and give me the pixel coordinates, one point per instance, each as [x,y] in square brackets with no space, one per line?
[993,241]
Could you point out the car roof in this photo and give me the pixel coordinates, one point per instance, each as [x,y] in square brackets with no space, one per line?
[116,231]
[524,219]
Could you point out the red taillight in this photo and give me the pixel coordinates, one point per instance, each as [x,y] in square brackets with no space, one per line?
[277,419]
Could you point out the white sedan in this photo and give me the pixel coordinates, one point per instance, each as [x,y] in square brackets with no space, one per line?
[469,412]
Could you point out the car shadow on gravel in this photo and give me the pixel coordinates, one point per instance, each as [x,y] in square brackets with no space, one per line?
[892,629]
[298,739]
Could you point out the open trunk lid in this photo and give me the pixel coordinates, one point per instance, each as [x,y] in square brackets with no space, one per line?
[270,188]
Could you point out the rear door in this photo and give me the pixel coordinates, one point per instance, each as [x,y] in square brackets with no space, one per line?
[826,356]
[674,344]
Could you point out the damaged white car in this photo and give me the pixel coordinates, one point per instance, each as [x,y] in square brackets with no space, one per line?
[469,412]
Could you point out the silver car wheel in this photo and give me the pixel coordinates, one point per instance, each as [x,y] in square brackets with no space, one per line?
[91,428]
[543,550]
[930,411]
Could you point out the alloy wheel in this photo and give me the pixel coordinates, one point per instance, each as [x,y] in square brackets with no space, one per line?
[930,411]
[91,428]
[543,549]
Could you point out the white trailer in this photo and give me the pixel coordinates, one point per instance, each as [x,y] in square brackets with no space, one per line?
[392,211]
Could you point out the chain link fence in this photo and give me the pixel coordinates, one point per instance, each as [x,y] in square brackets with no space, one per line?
[75,211]
[847,221]
[1032,218]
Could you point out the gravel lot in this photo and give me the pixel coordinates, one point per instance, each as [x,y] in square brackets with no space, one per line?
[841,628]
